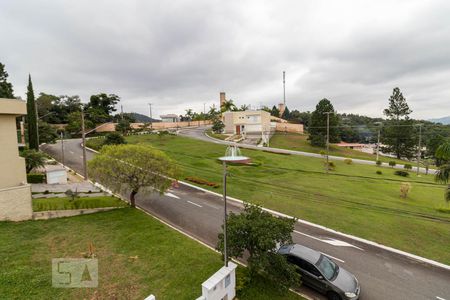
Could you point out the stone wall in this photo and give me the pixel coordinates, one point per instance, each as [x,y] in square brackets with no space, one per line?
[109,127]
[15,203]
[288,127]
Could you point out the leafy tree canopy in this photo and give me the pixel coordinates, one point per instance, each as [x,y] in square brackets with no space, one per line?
[257,233]
[318,126]
[131,168]
[33,159]
[6,88]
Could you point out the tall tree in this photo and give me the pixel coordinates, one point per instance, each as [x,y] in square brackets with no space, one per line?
[6,88]
[228,105]
[131,168]
[318,126]
[101,106]
[31,117]
[286,114]
[398,132]
[275,112]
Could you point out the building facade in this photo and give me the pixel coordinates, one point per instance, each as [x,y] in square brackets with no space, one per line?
[15,193]
[170,118]
[249,121]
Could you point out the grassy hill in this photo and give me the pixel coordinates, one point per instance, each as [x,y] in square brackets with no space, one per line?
[353,198]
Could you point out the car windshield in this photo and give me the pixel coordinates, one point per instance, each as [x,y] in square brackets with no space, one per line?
[327,267]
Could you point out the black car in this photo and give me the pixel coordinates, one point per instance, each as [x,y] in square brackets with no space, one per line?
[321,273]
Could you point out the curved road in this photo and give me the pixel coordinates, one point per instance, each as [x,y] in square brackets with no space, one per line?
[383,274]
[199,133]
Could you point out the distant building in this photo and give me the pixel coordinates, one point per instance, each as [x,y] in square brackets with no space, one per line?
[281,108]
[222,99]
[15,192]
[249,121]
[170,118]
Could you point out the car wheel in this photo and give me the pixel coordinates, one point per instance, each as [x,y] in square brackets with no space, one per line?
[333,296]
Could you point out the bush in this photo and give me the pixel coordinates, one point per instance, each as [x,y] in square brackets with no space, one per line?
[218,126]
[35,178]
[202,181]
[405,187]
[379,163]
[242,279]
[401,173]
[407,166]
[348,161]
[379,172]
[95,143]
[392,163]
[331,165]
[322,152]
[114,138]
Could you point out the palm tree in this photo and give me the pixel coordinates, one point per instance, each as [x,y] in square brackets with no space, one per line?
[228,106]
[244,107]
[443,174]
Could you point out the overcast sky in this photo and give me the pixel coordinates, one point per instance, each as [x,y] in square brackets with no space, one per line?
[181,54]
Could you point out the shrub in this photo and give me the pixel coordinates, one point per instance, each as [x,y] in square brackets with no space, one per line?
[331,165]
[401,173]
[114,138]
[202,181]
[379,172]
[218,126]
[46,192]
[405,188]
[407,166]
[379,163]
[72,195]
[242,279]
[35,178]
[392,163]
[348,161]
[322,152]
[95,143]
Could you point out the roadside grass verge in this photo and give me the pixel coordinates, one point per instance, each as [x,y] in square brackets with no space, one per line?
[137,256]
[62,203]
[216,135]
[352,199]
[299,142]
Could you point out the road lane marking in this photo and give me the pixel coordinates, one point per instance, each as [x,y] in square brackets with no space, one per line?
[194,203]
[338,259]
[172,195]
[333,242]
[439,298]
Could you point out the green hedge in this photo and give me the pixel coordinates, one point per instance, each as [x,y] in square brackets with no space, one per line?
[35,178]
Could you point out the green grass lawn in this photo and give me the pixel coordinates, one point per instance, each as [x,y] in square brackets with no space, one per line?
[137,256]
[57,203]
[216,135]
[353,198]
[299,142]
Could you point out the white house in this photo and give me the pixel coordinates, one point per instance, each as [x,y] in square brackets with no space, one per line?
[249,121]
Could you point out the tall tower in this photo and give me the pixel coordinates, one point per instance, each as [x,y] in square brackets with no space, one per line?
[222,98]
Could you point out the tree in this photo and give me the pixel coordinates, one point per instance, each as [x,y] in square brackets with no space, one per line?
[398,132]
[123,126]
[228,105]
[256,233]
[33,159]
[275,112]
[6,88]
[443,174]
[432,145]
[31,117]
[286,114]
[114,138]
[218,125]
[244,107]
[74,125]
[131,168]
[104,103]
[47,134]
[213,113]
[318,126]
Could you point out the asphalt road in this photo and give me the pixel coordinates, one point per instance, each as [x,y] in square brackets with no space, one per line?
[199,133]
[382,274]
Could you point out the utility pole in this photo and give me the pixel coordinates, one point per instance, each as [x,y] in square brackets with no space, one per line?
[419,150]
[204,108]
[150,111]
[62,147]
[83,138]
[328,139]
[121,112]
[284,88]
[378,139]
[225,217]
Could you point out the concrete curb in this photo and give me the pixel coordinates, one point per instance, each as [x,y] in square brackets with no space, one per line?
[368,242]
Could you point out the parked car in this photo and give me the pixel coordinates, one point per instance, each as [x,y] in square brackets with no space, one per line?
[321,273]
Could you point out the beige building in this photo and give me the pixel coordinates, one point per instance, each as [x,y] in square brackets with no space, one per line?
[15,193]
[249,121]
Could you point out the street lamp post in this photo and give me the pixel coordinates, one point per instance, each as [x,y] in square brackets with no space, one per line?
[83,138]
[232,155]
[62,147]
